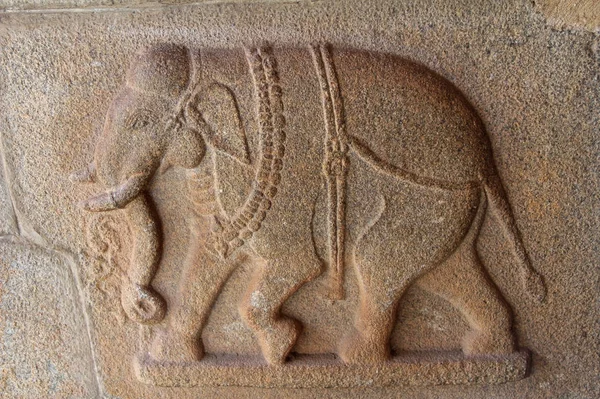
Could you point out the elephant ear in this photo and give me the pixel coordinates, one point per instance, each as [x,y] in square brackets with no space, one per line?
[216,108]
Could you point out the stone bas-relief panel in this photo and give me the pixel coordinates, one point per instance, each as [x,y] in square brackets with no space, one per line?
[397,128]
[284,196]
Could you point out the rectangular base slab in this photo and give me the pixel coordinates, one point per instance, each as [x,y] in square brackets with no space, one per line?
[327,371]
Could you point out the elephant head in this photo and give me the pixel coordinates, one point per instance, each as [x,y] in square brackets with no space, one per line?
[163,116]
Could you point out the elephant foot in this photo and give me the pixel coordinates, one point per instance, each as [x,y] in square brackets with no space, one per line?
[279,339]
[488,343]
[355,348]
[176,348]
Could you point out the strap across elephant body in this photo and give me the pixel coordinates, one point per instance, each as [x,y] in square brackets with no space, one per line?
[137,143]
[231,233]
[335,165]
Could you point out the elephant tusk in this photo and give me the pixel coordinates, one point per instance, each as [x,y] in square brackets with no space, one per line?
[129,190]
[99,203]
[118,197]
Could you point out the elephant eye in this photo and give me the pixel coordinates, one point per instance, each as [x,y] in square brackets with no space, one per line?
[140,123]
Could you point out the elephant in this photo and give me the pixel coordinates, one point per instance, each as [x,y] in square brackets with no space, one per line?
[397,155]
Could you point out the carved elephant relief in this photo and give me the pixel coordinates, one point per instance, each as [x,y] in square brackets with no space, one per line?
[348,131]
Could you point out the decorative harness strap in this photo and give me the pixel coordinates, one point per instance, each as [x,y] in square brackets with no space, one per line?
[335,165]
[230,234]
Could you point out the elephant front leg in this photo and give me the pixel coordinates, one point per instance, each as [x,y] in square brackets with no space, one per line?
[272,284]
[202,280]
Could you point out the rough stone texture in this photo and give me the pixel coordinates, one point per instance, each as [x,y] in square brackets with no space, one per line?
[45,350]
[536,90]
[105,5]
[8,220]
[578,14]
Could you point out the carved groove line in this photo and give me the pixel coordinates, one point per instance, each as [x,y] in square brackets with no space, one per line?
[365,153]
[230,235]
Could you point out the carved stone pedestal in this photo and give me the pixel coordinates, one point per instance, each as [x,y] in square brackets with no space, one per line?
[326,371]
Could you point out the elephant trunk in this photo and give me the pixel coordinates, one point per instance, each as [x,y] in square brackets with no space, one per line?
[141,303]
[139,300]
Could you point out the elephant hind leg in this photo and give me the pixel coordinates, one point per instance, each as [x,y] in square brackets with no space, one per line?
[274,281]
[383,277]
[463,281]
[391,255]
[368,340]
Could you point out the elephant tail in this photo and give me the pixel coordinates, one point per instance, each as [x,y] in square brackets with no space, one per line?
[532,280]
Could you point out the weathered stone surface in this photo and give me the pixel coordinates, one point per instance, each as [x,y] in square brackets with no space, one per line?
[104,5]
[44,342]
[565,14]
[477,90]
[8,219]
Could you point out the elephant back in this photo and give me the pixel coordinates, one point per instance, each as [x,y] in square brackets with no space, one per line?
[410,118]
